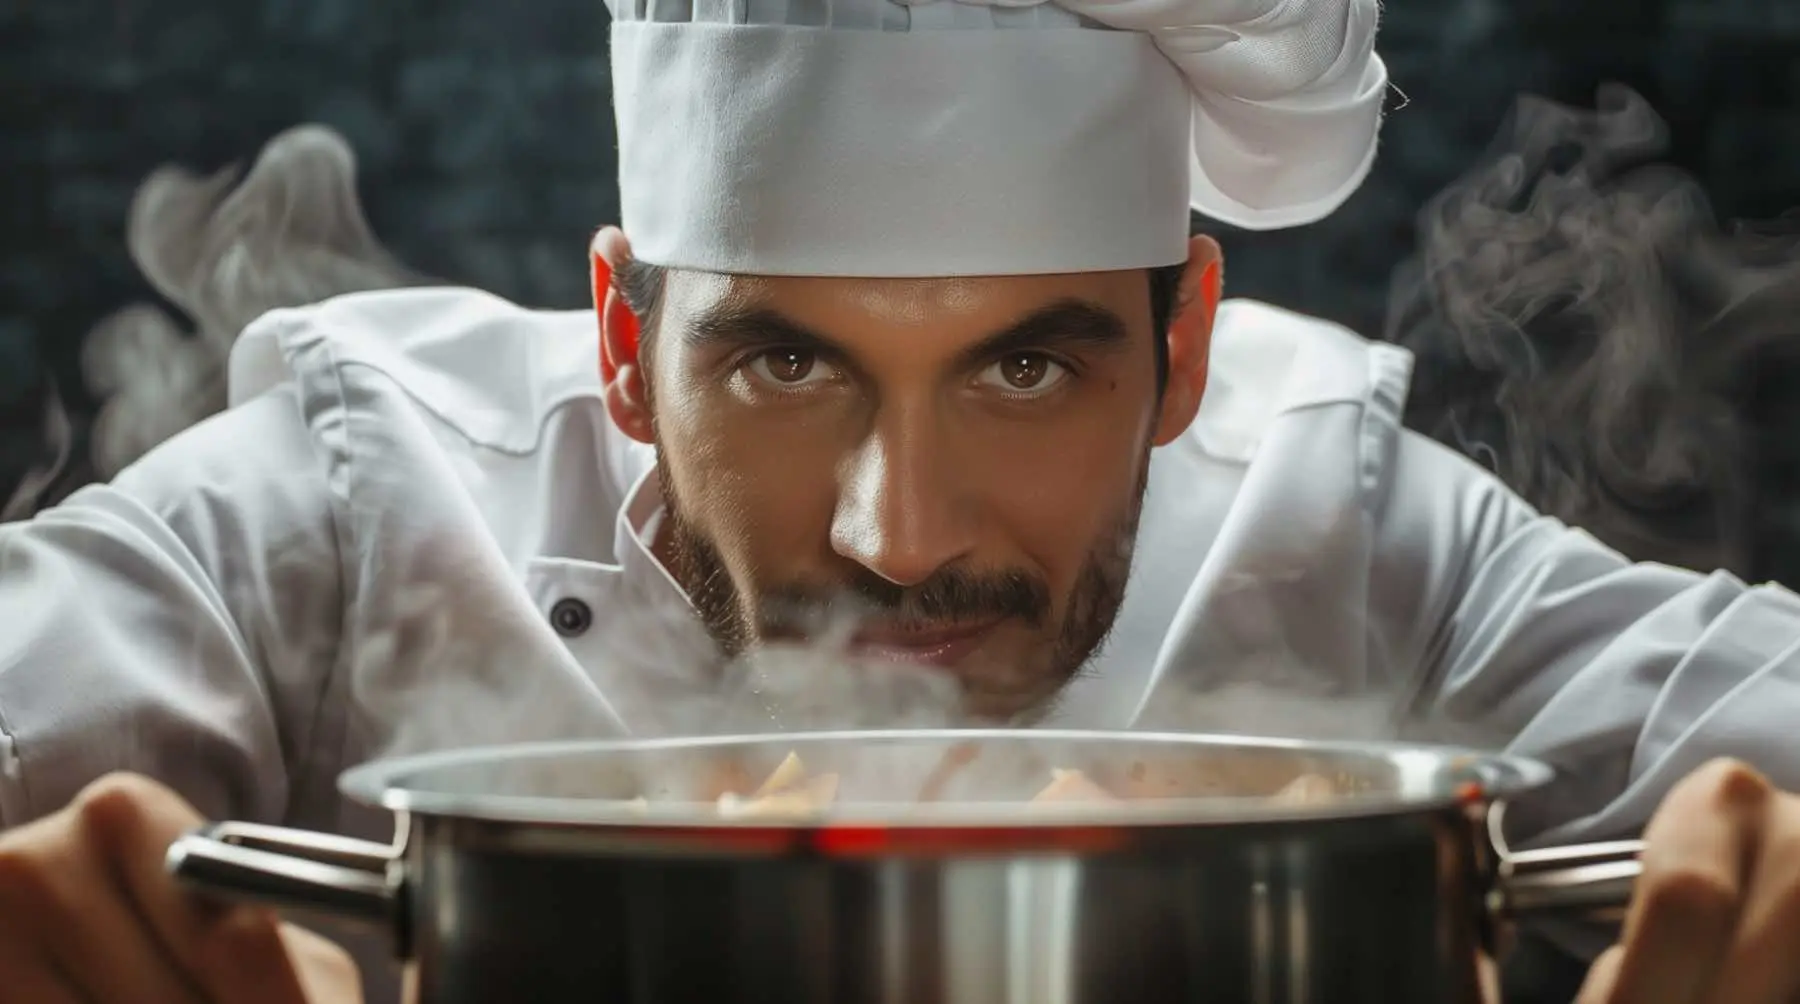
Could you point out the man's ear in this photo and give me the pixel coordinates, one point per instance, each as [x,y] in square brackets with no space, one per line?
[621,371]
[1190,338]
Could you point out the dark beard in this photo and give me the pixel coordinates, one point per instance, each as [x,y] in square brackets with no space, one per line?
[951,594]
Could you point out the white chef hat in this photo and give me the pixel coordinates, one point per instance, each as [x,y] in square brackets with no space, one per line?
[981,137]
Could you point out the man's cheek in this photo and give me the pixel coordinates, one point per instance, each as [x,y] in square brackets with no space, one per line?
[781,482]
[766,520]
[1056,520]
[1092,459]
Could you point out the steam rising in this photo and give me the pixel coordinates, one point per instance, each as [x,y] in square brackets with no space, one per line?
[38,481]
[225,252]
[439,675]
[1586,330]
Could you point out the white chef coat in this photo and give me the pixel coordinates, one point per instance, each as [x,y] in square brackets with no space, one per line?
[365,552]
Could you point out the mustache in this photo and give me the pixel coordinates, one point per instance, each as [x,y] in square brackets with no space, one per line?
[950,595]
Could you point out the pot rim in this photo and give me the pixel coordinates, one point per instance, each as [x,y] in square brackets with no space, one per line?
[384,783]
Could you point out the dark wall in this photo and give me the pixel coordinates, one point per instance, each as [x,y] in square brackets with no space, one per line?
[486,144]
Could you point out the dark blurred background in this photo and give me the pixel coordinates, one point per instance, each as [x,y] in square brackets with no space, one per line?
[486,156]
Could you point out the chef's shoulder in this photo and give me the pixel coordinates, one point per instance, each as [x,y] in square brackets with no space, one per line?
[299,376]
[488,369]
[1273,370]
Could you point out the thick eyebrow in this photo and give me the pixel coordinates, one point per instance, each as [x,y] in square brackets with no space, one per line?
[1065,324]
[729,326]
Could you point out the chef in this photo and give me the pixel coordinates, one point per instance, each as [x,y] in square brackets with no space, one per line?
[904,330]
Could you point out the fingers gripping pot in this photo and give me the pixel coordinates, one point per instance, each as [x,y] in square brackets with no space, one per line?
[607,871]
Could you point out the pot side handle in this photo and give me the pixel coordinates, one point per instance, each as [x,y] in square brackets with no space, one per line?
[1585,882]
[1591,882]
[314,873]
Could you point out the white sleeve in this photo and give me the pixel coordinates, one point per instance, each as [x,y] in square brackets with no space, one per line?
[179,622]
[1623,676]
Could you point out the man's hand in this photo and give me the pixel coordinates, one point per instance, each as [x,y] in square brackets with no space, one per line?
[1716,915]
[88,915]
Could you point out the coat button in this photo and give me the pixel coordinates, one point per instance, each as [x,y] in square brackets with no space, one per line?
[571,618]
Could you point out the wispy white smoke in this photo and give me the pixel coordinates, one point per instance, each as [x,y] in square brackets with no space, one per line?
[225,251]
[1587,329]
[59,435]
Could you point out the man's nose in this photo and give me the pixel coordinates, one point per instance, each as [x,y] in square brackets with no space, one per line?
[902,512]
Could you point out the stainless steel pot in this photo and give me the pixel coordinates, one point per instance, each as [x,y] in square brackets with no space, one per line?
[524,874]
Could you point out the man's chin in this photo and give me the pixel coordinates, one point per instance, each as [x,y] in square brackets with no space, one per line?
[990,699]
[975,688]
[1010,708]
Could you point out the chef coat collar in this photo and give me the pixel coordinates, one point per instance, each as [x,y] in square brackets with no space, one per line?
[640,519]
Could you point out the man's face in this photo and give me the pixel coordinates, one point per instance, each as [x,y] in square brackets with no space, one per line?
[959,464]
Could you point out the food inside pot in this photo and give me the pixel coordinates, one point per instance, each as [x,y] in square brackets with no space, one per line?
[791,790]
[788,791]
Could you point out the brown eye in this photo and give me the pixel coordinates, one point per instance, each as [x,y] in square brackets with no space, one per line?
[789,367]
[1024,373]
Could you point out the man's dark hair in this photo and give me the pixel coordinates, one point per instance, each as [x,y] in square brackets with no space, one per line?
[641,286]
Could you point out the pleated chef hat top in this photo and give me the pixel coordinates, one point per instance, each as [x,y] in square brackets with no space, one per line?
[904,138]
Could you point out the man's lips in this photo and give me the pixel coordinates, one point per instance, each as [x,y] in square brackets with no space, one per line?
[938,646]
